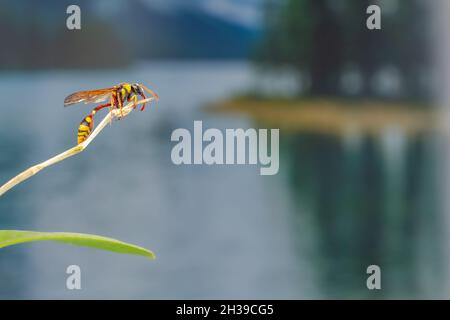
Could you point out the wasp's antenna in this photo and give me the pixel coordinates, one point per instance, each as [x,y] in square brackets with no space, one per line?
[150,91]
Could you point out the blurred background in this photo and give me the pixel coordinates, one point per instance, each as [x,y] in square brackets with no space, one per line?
[363,173]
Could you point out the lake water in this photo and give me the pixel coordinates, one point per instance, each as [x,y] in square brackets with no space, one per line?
[336,206]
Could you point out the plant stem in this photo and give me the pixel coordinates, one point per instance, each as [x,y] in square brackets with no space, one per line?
[113,114]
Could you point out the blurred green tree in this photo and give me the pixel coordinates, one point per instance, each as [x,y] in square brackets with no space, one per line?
[324,40]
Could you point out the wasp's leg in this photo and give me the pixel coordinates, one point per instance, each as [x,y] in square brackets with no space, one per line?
[133,99]
[143,105]
[113,104]
[119,100]
[154,95]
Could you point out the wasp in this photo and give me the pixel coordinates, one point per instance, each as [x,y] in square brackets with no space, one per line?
[116,96]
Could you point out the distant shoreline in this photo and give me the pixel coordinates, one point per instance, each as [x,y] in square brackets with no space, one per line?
[334,116]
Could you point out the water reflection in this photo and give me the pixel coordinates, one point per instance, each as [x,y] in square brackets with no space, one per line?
[14,212]
[337,205]
[370,200]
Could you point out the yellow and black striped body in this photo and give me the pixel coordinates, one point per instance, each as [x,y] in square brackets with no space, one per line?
[85,127]
[116,95]
[124,91]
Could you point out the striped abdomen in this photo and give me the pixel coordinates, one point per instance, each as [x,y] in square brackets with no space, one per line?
[85,128]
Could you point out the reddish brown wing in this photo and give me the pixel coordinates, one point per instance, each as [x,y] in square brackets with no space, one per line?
[89,96]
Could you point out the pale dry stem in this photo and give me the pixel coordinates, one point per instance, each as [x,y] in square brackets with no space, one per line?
[113,114]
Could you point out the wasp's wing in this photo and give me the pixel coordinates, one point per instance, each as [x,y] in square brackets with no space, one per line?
[89,96]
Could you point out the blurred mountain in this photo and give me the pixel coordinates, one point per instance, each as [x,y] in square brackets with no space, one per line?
[185,33]
[116,32]
[248,13]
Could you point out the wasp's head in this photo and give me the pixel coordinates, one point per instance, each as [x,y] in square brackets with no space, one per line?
[137,88]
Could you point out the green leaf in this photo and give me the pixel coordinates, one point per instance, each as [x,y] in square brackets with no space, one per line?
[12,237]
